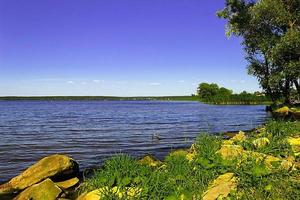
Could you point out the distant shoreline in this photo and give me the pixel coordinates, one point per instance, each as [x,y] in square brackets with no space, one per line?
[102,98]
[116,98]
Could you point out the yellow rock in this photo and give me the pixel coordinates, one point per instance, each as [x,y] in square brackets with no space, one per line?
[239,137]
[98,193]
[45,190]
[150,161]
[231,151]
[221,187]
[47,167]
[295,143]
[68,183]
[284,111]
[228,142]
[261,142]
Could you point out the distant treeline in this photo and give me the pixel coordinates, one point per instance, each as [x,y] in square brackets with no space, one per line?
[102,98]
[213,94]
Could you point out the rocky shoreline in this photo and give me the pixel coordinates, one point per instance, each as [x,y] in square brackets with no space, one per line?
[57,177]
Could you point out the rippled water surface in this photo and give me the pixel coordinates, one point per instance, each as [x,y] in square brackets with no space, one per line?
[90,131]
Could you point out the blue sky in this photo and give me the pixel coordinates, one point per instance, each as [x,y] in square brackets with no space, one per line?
[116,47]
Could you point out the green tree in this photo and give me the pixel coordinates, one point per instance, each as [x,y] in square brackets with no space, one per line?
[225,92]
[206,90]
[270,30]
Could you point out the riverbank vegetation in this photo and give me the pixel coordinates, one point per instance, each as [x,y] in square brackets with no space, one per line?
[213,94]
[263,164]
[270,30]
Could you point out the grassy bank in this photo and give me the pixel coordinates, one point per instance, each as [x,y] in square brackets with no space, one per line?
[237,99]
[262,165]
[103,98]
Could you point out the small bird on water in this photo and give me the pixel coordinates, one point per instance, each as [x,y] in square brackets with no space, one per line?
[156,136]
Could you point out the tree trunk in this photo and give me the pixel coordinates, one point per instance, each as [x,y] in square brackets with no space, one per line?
[297,84]
[287,92]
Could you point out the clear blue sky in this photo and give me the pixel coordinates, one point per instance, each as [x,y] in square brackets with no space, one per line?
[116,47]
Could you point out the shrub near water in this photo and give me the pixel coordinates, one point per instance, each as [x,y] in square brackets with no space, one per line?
[181,178]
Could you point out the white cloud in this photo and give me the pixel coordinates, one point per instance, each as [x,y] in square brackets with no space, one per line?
[154,84]
[180,81]
[83,83]
[97,81]
[242,81]
[70,82]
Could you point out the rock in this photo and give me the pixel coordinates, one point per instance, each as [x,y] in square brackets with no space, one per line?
[150,161]
[288,165]
[45,190]
[221,187]
[68,183]
[282,112]
[53,166]
[239,137]
[261,142]
[231,151]
[98,193]
[295,144]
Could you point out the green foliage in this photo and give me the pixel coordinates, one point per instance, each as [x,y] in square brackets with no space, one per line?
[211,93]
[271,37]
[178,177]
[256,181]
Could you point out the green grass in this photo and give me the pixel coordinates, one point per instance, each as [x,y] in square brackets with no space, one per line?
[237,99]
[178,177]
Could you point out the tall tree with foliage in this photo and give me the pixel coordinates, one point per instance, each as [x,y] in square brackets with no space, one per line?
[271,37]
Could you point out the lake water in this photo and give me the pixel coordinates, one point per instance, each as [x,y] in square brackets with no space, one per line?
[91,131]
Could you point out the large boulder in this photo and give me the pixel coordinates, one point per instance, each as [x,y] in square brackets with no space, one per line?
[54,166]
[221,187]
[45,190]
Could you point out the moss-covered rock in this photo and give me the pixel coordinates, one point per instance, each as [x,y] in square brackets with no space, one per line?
[231,151]
[51,166]
[45,190]
[221,187]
